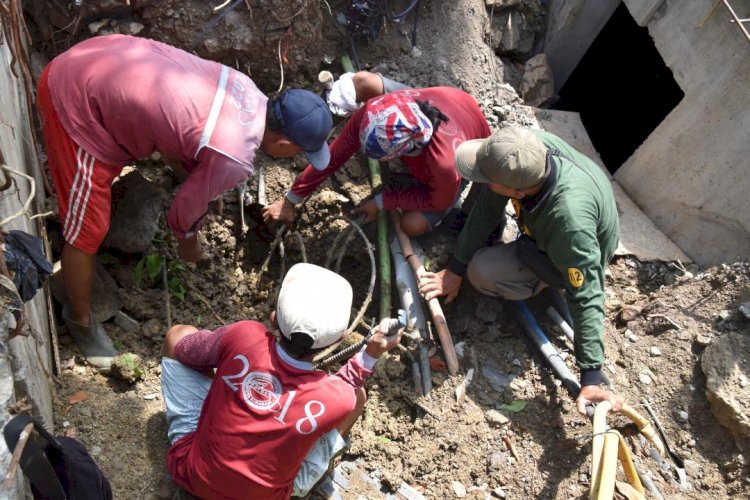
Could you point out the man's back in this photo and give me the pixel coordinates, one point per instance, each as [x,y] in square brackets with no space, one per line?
[262,415]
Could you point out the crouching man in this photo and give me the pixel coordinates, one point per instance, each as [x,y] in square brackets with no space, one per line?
[267,424]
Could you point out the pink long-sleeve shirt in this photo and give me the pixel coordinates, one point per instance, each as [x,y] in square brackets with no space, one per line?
[121,98]
[433,167]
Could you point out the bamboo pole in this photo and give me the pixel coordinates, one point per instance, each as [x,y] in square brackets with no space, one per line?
[446,341]
[384,255]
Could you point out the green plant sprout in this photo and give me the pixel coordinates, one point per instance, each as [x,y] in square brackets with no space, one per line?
[152,265]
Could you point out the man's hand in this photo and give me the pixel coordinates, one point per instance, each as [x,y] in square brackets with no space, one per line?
[381,342]
[595,394]
[279,211]
[369,209]
[189,249]
[445,282]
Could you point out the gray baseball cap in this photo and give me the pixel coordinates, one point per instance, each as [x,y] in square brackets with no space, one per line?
[513,156]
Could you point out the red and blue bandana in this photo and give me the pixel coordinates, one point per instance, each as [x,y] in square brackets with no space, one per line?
[393,126]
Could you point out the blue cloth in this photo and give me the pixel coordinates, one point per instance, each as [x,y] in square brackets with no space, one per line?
[25,256]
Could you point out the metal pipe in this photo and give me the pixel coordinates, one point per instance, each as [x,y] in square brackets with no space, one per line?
[737,19]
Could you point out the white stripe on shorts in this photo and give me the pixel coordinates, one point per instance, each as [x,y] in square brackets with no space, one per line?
[81,202]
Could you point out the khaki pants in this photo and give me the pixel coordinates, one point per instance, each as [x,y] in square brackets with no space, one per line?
[499,272]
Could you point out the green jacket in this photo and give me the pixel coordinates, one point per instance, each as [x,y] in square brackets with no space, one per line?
[576,225]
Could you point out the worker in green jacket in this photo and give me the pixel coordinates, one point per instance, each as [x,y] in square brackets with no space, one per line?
[566,211]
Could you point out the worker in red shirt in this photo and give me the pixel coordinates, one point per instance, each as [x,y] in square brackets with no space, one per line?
[421,128]
[110,100]
[267,424]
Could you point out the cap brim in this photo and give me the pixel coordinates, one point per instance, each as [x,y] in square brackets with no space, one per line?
[466,161]
[319,159]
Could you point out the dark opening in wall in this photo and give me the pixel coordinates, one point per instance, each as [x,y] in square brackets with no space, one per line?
[621,88]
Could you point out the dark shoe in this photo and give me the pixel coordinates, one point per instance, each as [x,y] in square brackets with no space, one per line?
[93,342]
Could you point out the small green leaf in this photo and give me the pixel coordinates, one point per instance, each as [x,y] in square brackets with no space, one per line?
[514,407]
[153,266]
[119,345]
[427,263]
[131,361]
[384,439]
[176,288]
[139,272]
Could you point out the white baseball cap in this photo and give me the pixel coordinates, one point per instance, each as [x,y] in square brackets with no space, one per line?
[314,301]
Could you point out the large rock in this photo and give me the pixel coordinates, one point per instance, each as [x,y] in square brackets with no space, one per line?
[538,84]
[726,363]
[105,295]
[136,216]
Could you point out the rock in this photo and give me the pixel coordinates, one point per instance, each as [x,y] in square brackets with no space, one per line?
[498,493]
[105,294]
[631,336]
[645,378]
[460,349]
[724,315]
[127,367]
[415,52]
[703,340]
[682,416]
[136,216]
[96,26]
[459,489]
[409,493]
[132,27]
[654,351]
[497,380]
[498,461]
[495,417]
[96,450]
[724,362]
[502,3]
[745,310]
[488,309]
[538,84]
[126,322]
[628,313]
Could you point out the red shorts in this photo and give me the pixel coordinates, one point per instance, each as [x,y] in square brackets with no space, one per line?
[83,183]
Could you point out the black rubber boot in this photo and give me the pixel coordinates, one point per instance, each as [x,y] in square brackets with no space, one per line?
[93,342]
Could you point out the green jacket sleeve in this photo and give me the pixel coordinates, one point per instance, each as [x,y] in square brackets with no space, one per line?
[577,256]
[487,214]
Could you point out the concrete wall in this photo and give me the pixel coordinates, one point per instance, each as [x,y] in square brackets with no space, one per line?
[572,25]
[24,361]
[689,176]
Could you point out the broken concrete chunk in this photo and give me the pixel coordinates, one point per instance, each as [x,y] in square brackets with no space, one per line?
[538,84]
[725,363]
[126,322]
[459,489]
[495,417]
[96,26]
[409,493]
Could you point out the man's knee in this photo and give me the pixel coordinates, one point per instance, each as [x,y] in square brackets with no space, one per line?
[496,271]
[414,224]
[173,337]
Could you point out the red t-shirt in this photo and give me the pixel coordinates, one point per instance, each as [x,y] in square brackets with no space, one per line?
[433,167]
[263,413]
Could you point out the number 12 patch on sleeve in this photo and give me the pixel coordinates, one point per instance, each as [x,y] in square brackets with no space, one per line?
[575,276]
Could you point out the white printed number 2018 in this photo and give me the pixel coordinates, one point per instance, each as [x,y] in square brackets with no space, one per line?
[305,425]
[309,415]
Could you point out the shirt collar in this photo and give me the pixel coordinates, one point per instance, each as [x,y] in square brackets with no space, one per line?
[296,363]
[531,203]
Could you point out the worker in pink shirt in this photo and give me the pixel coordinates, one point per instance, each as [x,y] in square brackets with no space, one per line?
[420,128]
[111,100]
[266,424]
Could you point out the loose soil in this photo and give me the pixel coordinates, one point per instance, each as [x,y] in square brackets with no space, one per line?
[430,444]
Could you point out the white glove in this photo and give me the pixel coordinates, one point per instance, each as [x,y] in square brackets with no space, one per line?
[342,100]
